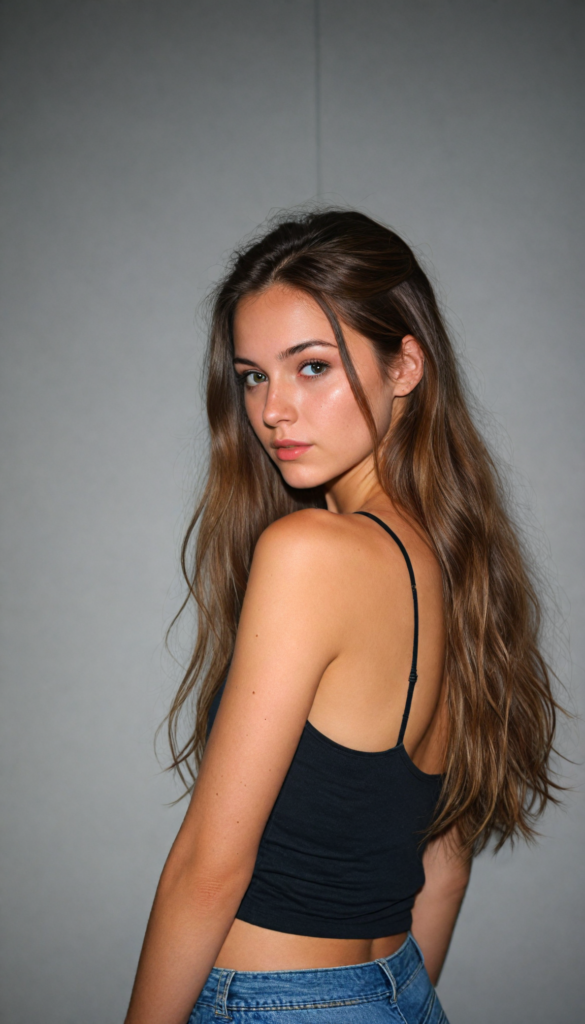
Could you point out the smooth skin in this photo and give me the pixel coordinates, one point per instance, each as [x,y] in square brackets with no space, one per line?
[325,634]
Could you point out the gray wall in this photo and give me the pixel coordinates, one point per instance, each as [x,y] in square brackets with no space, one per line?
[142,139]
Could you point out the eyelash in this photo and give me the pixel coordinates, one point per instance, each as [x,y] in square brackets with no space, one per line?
[241,377]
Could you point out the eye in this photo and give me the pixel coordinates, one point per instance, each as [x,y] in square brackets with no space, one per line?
[251,378]
[317,366]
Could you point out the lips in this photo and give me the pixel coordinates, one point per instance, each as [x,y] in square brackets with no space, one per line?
[288,449]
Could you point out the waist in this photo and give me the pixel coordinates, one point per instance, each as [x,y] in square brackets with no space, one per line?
[248,947]
[278,989]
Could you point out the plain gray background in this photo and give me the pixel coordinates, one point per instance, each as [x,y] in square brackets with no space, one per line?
[142,140]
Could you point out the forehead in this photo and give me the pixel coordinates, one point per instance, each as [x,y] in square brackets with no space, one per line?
[279,315]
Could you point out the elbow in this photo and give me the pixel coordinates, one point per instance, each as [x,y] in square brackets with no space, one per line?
[455,890]
[209,886]
[454,883]
[211,893]
[450,885]
[446,869]
[455,887]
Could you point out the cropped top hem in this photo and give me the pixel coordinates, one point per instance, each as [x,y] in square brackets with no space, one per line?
[321,928]
[399,749]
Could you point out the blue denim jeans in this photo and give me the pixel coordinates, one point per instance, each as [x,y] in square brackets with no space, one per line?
[391,990]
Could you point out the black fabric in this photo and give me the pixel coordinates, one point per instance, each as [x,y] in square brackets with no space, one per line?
[341,853]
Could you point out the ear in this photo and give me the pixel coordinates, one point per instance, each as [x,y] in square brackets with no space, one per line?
[408,367]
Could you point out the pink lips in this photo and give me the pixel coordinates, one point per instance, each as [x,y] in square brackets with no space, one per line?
[289,449]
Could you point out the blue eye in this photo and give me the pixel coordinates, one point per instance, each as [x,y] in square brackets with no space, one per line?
[317,365]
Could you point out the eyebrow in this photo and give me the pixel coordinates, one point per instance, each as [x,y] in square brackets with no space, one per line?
[292,351]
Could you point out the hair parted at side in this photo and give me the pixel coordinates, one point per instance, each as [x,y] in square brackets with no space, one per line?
[435,466]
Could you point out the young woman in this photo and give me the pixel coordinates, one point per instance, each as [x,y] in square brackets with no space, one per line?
[367,651]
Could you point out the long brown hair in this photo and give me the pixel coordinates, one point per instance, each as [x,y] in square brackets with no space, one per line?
[435,467]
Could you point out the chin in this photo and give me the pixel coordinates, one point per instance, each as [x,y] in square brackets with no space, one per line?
[301,483]
[302,478]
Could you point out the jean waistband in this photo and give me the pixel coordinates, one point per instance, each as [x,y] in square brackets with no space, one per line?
[227,990]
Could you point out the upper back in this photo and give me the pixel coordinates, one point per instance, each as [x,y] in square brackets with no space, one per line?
[361,698]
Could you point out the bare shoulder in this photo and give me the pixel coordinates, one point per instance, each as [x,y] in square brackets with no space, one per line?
[339,570]
[307,539]
[310,524]
[334,547]
[300,564]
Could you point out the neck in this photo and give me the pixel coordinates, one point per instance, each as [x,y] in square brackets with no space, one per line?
[356,489]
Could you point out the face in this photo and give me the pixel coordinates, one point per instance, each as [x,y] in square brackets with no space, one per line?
[297,395]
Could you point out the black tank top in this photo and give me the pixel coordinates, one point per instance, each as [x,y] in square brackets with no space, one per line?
[341,853]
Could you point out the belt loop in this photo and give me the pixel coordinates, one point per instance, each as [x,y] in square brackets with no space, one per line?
[223,984]
[384,965]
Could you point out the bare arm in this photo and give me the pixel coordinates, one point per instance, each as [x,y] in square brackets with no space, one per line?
[288,633]
[439,901]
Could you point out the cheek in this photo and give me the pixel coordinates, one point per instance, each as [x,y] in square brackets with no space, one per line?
[336,418]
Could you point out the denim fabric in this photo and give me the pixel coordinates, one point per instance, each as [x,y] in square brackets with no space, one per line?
[391,990]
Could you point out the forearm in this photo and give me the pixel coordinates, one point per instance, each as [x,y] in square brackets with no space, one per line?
[447,870]
[433,921]
[189,921]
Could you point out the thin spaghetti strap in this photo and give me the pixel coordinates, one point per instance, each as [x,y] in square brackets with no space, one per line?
[413,673]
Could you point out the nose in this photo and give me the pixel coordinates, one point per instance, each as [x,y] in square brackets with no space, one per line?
[279,406]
